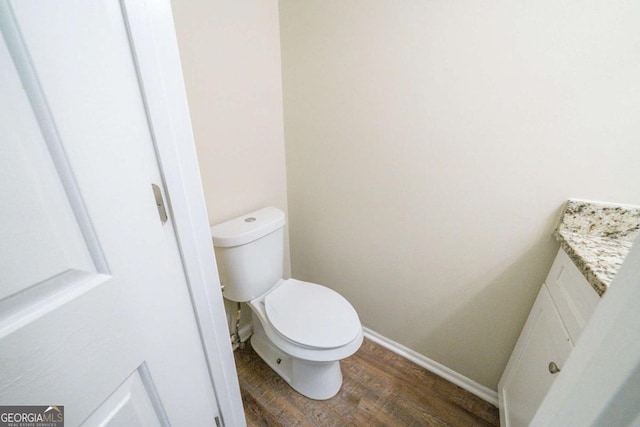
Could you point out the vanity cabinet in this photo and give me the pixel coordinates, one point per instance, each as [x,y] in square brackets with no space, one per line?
[563,307]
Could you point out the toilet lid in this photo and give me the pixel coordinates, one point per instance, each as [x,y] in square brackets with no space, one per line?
[312,315]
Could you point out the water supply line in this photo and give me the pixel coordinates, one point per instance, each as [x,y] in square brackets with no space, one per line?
[235,337]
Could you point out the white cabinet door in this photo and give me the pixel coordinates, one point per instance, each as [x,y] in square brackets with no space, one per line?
[572,294]
[527,377]
[95,312]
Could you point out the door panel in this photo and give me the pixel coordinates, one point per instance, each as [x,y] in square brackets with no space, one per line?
[94,288]
[133,404]
[46,237]
[44,257]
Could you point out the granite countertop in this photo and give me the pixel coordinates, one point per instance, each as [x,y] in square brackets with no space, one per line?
[597,237]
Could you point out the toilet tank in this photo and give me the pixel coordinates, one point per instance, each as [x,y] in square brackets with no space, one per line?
[249,253]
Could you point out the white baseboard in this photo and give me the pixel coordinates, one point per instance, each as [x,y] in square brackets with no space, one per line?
[450,375]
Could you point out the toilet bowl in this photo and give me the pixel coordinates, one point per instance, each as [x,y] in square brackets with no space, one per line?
[300,329]
[304,340]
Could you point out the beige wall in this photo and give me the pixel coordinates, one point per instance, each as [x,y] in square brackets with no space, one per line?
[431,145]
[230,54]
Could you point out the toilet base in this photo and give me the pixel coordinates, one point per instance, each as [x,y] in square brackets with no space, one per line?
[315,380]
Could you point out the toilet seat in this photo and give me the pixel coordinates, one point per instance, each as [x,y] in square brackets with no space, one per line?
[311,315]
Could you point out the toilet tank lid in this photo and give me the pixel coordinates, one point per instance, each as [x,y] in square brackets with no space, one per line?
[247,228]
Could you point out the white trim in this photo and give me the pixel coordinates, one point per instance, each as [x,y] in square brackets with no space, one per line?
[450,375]
[153,38]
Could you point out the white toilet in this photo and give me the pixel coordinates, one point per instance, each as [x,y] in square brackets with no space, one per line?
[301,329]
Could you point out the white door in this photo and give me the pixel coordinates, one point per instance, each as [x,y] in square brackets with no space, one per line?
[95,312]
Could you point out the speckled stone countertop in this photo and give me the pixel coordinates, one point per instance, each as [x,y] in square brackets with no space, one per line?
[598,237]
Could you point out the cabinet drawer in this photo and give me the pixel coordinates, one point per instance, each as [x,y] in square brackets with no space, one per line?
[572,294]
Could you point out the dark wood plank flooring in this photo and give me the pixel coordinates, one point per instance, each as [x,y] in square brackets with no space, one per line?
[380,388]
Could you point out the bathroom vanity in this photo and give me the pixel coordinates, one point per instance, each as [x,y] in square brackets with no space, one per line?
[594,241]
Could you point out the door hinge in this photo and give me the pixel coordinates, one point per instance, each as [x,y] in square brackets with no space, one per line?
[162,211]
[218,422]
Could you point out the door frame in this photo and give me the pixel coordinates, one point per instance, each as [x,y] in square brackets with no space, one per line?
[155,49]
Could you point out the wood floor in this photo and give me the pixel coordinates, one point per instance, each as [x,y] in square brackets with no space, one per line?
[380,388]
